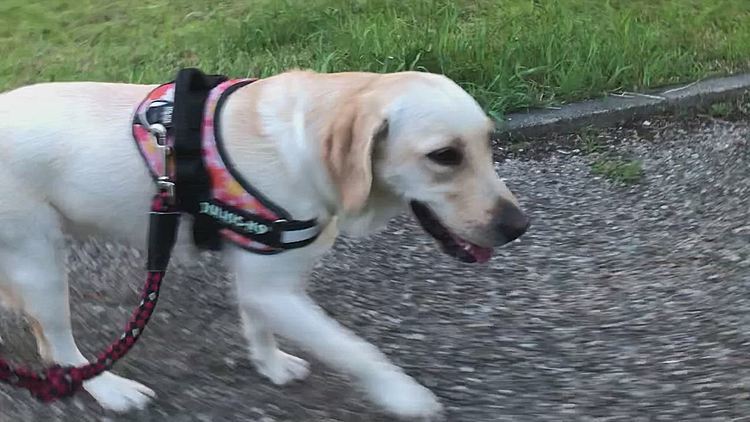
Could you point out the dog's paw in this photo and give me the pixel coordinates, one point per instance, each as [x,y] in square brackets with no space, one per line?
[282,368]
[117,393]
[401,395]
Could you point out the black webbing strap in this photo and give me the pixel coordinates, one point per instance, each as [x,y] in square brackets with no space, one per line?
[193,184]
[192,181]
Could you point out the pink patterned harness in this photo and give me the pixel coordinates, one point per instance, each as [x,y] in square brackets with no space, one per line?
[230,193]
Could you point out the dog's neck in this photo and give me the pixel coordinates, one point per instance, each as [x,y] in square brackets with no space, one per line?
[272,130]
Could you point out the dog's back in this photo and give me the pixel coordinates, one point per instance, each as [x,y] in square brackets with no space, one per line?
[70,145]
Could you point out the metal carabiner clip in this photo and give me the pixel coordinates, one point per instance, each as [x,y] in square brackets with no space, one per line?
[163,182]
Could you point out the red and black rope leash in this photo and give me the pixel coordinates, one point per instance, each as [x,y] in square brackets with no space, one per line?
[178,139]
[175,135]
[57,381]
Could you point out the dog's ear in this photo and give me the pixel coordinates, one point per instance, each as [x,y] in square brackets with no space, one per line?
[348,150]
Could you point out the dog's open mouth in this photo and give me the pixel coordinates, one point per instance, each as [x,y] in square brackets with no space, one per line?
[450,243]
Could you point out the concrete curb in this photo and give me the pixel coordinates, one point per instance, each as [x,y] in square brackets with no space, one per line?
[615,109]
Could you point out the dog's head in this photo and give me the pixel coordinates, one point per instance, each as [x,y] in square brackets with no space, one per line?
[419,139]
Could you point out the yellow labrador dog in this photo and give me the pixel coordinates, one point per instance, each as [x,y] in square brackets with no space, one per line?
[350,149]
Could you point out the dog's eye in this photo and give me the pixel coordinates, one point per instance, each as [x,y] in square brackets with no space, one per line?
[446,156]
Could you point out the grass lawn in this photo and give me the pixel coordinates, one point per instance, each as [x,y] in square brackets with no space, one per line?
[510,54]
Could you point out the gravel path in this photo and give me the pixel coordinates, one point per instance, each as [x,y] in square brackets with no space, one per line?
[621,303]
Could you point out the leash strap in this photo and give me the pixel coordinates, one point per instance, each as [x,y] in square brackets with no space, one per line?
[57,382]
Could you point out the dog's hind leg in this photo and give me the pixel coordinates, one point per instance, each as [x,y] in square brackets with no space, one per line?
[32,267]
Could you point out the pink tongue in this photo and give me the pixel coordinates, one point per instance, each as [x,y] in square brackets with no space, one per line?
[481,254]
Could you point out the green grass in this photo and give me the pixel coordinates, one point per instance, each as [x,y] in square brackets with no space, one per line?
[721,109]
[509,54]
[738,108]
[588,141]
[618,170]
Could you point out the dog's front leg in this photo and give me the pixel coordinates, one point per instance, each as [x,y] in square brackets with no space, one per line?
[272,300]
[270,362]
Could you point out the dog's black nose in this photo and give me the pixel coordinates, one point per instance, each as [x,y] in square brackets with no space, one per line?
[510,223]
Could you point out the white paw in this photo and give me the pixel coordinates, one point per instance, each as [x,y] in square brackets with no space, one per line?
[117,393]
[282,368]
[401,395]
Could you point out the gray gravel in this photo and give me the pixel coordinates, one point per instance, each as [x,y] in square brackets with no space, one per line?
[623,303]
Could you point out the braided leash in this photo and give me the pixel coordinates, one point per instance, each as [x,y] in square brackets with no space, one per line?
[57,381]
